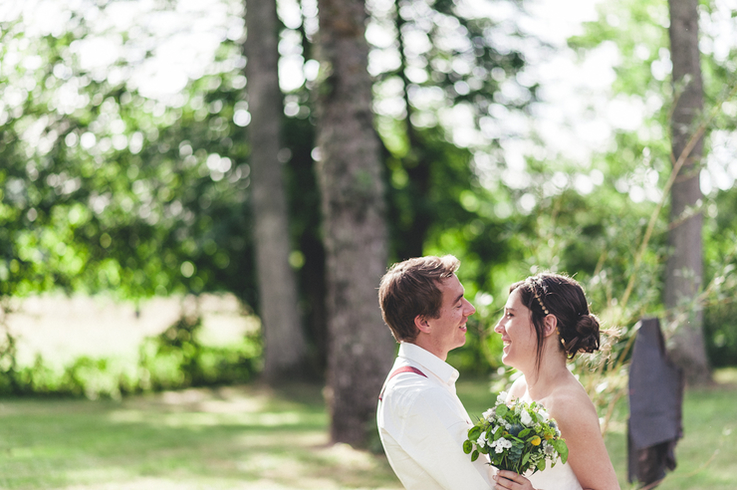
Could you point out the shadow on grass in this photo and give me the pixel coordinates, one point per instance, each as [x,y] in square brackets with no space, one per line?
[243,437]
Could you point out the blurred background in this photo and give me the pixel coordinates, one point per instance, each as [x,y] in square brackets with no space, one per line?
[173,183]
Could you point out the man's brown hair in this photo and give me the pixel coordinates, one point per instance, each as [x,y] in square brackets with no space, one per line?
[411,288]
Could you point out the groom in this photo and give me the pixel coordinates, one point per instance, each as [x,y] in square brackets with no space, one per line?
[422,423]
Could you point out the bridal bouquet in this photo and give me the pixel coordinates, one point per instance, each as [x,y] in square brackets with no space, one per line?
[517,437]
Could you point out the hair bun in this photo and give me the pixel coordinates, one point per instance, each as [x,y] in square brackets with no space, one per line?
[585,338]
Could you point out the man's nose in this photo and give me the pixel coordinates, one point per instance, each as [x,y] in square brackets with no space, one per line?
[471,308]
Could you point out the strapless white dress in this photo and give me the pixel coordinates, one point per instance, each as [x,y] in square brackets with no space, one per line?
[559,477]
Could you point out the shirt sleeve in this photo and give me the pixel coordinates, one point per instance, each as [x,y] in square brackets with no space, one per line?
[430,429]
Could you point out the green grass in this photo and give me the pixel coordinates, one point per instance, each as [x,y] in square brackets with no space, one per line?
[252,438]
[236,438]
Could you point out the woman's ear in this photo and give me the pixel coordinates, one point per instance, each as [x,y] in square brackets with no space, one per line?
[550,324]
[422,324]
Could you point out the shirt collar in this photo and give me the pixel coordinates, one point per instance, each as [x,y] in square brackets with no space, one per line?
[447,373]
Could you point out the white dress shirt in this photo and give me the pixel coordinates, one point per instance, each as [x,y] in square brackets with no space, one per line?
[422,425]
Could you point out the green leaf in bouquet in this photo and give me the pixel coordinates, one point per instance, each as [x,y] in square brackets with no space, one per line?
[541,465]
[515,452]
[474,455]
[524,433]
[501,410]
[467,447]
[498,433]
[525,458]
[474,432]
[562,448]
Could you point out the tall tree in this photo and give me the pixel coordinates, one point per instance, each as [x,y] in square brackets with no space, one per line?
[354,229]
[684,270]
[285,348]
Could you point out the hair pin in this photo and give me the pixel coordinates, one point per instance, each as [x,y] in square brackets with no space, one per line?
[537,297]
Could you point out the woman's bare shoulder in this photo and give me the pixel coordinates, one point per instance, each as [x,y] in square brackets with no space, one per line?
[571,402]
[518,389]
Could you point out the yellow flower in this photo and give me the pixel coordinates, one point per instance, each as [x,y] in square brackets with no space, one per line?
[535,441]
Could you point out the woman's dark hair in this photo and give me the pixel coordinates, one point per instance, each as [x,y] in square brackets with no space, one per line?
[555,294]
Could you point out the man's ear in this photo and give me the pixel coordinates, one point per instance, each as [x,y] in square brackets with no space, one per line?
[422,324]
[550,324]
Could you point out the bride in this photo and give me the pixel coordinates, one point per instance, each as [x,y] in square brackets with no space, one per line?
[546,320]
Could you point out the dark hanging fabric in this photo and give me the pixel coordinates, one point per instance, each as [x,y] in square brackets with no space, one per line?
[656,399]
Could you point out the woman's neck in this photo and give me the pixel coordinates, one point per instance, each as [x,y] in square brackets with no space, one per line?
[551,372]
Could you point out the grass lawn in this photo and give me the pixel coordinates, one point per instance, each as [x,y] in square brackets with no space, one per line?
[250,437]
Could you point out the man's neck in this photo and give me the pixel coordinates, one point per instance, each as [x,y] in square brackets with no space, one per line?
[427,344]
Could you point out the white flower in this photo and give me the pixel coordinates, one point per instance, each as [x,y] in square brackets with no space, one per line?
[544,414]
[525,418]
[502,397]
[489,414]
[500,444]
[481,442]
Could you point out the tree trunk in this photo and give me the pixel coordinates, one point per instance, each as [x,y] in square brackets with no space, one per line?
[354,231]
[284,341]
[684,269]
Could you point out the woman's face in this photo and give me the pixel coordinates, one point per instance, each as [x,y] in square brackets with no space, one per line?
[518,333]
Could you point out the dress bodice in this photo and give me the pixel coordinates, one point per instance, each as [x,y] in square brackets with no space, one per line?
[559,477]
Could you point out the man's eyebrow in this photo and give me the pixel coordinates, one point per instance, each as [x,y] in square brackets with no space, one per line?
[460,296]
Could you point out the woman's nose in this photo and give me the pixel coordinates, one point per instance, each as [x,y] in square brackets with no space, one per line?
[498,328]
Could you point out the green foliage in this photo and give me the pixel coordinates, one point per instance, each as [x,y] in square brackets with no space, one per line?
[639,32]
[175,359]
[721,333]
[434,192]
[104,189]
[603,237]
[720,312]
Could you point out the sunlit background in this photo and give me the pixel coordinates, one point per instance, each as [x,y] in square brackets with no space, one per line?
[158,51]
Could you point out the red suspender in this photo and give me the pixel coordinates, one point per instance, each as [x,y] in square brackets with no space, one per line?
[403,369]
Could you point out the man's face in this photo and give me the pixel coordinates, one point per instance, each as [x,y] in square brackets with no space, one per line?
[448,331]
